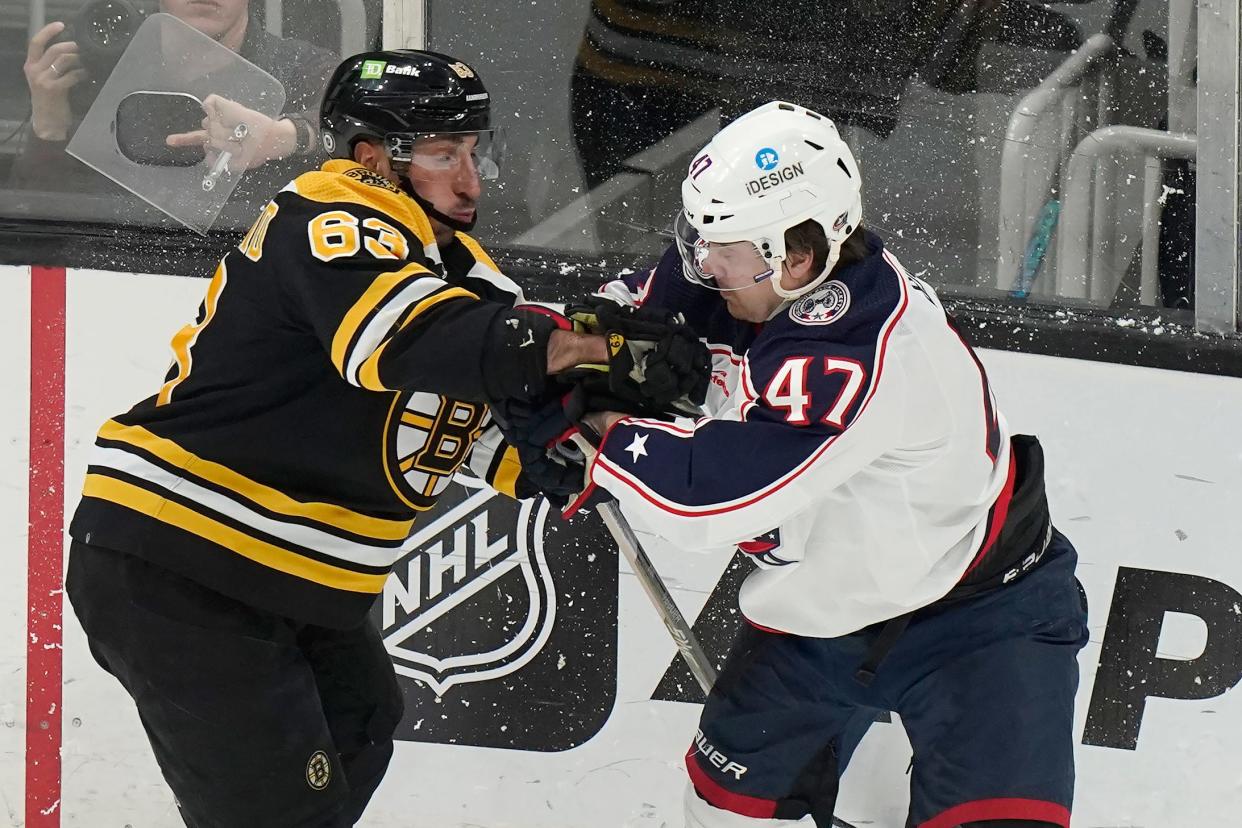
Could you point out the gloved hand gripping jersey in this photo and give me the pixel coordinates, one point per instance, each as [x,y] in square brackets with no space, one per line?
[657,367]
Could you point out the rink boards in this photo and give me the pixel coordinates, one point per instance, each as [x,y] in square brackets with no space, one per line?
[541,690]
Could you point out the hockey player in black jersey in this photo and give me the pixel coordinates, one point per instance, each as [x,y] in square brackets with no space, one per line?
[853,449]
[236,526]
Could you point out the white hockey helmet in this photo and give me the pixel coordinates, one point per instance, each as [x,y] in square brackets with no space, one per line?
[771,169]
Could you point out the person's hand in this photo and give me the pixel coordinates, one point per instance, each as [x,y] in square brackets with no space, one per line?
[51,71]
[534,430]
[251,138]
[656,363]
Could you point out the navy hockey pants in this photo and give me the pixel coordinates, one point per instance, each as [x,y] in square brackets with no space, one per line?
[256,721]
[984,687]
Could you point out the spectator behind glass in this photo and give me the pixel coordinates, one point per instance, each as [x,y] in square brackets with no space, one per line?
[644,70]
[291,144]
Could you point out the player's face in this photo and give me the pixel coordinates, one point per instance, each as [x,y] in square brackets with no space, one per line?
[214,18]
[754,304]
[444,171]
[731,266]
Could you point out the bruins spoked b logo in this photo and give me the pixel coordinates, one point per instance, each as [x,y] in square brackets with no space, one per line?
[318,770]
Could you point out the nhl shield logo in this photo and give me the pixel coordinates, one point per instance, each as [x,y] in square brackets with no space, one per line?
[497,602]
[460,552]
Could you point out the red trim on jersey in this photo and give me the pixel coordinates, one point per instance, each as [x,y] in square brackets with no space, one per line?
[991,420]
[562,437]
[996,515]
[579,502]
[985,809]
[563,322]
[656,501]
[588,492]
[991,424]
[721,797]
[662,425]
[750,396]
[759,626]
[644,292]
[45,547]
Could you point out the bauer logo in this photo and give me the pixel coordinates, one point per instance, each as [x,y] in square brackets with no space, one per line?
[497,601]
[767,159]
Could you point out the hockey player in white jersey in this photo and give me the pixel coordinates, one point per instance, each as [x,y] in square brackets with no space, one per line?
[906,558]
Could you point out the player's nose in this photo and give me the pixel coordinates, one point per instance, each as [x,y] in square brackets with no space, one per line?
[467,184]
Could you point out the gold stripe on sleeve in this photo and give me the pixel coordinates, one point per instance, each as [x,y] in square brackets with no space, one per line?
[507,471]
[357,316]
[368,372]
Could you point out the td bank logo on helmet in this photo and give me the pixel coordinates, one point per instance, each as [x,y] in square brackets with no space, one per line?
[773,179]
[373,69]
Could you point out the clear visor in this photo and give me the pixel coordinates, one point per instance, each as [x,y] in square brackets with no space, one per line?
[444,156]
[722,266]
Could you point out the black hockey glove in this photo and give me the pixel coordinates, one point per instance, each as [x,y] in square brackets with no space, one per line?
[534,430]
[656,363]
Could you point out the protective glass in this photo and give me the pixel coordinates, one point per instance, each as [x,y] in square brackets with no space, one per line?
[722,266]
[445,155]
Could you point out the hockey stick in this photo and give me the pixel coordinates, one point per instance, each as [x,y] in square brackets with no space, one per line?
[687,644]
[652,584]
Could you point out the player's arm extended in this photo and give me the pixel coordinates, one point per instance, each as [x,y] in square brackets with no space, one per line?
[388,322]
[716,482]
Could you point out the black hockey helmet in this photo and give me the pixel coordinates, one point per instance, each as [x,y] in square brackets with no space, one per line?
[400,95]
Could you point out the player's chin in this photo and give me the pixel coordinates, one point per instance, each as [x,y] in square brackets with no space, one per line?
[737,308]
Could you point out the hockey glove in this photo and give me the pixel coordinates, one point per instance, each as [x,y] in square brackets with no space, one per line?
[533,429]
[656,363]
[556,448]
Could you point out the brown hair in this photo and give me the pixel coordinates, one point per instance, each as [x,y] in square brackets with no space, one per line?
[808,237]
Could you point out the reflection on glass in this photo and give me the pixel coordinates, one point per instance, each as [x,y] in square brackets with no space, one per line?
[975,123]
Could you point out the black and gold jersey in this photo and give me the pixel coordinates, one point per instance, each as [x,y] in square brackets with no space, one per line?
[324,396]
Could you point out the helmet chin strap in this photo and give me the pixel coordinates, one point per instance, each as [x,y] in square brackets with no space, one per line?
[834,253]
[464,226]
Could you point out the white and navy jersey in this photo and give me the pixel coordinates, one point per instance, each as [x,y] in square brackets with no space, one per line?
[853,448]
[323,399]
